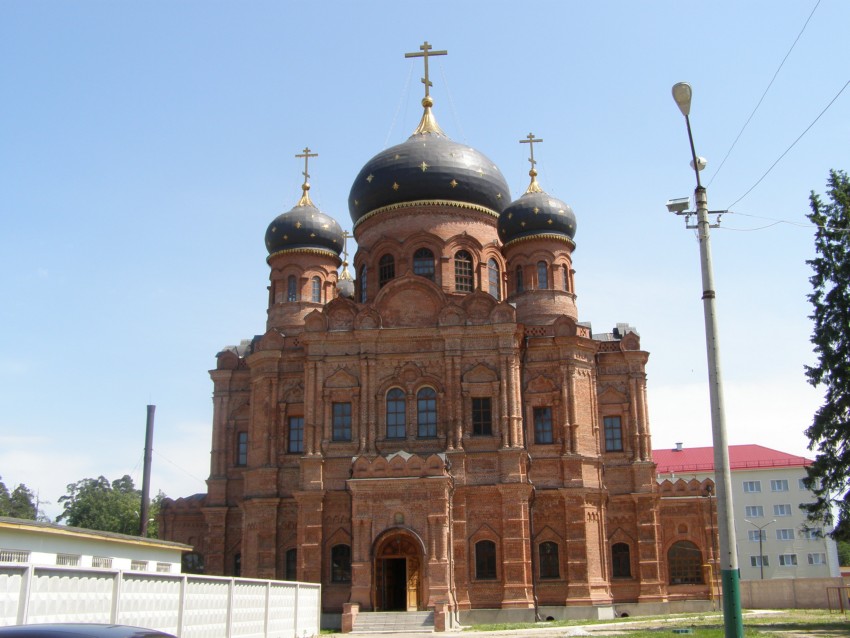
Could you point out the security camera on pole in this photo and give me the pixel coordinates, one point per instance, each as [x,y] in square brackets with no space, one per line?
[730,577]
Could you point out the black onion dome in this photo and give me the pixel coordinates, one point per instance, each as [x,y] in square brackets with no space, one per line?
[535,214]
[304,227]
[428,167]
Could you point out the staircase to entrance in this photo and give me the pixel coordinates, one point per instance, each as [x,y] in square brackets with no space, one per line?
[397,622]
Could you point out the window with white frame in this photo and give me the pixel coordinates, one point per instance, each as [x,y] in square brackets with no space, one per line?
[759,561]
[818,558]
[754,511]
[783,509]
[788,560]
[139,565]
[163,568]
[14,556]
[779,485]
[785,534]
[751,487]
[102,562]
[756,535]
[811,534]
[801,483]
[68,560]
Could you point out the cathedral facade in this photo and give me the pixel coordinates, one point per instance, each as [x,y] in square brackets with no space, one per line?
[440,431]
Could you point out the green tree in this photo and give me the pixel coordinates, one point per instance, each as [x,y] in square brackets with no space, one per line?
[844,553]
[109,507]
[829,475]
[19,503]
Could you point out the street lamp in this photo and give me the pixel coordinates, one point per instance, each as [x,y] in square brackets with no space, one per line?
[761,538]
[730,577]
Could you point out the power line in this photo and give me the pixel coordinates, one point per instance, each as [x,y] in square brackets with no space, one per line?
[781,64]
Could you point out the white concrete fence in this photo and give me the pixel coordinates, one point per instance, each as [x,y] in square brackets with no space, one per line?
[188,606]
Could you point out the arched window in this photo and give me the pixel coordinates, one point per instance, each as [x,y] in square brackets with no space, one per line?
[193,563]
[395,414]
[684,560]
[549,565]
[621,560]
[566,272]
[362,281]
[464,281]
[542,276]
[426,413]
[341,564]
[317,290]
[493,279]
[423,263]
[291,288]
[386,270]
[485,560]
[520,287]
[291,565]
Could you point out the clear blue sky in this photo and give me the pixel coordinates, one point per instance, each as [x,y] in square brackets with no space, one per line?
[145,147]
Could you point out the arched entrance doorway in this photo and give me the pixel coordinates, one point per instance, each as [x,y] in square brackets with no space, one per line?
[397,572]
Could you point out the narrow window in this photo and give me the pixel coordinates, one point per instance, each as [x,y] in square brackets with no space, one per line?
[386,270]
[566,272]
[291,288]
[756,535]
[362,281]
[296,434]
[542,275]
[543,425]
[759,561]
[549,565]
[423,263]
[613,434]
[342,421]
[426,413]
[785,534]
[493,279]
[395,414]
[341,564]
[291,564]
[685,563]
[463,272]
[482,416]
[519,284]
[621,560]
[485,560]
[242,449]
[317,290]
[237,565]
[817,559]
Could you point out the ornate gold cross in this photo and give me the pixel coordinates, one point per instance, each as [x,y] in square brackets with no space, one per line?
[530,140]
[306,154]
[426,52]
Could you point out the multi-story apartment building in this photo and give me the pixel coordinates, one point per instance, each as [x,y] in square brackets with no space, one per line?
[773,537]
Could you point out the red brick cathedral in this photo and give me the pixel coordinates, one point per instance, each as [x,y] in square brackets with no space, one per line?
[440,432]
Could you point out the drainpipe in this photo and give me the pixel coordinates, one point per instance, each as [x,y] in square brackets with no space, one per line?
[528,463]
[451,552]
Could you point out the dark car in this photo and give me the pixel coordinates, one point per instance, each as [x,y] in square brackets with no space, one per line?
[79,630]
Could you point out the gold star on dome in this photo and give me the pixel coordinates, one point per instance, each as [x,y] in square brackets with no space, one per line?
[423,166]
[480,172]
[397,156]
[536,210]
[370,177]
[453,183]
[297,224]
[312,216]
[395,186]
[498,196]
[312,234]
[274,229]
[549,221]
[325,225]
[286,236]
[561,210]
[356,203]
[510,215]
[522,224]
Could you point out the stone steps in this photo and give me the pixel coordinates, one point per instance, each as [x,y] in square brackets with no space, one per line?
[393,622]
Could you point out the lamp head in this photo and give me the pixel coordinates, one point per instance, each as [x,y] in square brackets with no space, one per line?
[678,205]
[682,95]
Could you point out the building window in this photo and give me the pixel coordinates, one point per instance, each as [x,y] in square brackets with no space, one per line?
[139,565]
[242,449]
[291,568]
[395,414]
[14,556]
[464,280]
[613,434]
[426,413]
[291,288]
[756,534]
[754,511]
[362,281]
[542,275]
[163,568]
[566,273]
[782,510]
[341,564]
[73,560]
[685,562]
[386,270]
[817,559]
[543,425]
[520,286]
[341,421]
[801,483]
[811,534]
[788,560]
[494,280]
[621,560]
[482,416]
[317,290]
[752,487]
[759,561]
[485,560]
[296,434]
[237,565]
[101,562]
[549,565]
[780,485]
[193,563]
[785,534]
[423,263]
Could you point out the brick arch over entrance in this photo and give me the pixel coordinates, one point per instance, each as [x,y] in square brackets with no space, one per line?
[398,569]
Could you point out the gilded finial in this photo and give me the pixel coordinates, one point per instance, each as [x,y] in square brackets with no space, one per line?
[305,198]
[533,187]
[428,124]
[345,275]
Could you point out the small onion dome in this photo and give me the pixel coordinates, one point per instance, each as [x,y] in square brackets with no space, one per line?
[428,167]
[304,228]
[536,214]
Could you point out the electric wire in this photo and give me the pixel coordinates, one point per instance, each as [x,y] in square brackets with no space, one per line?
[402,99]
[763,95]
[452,104]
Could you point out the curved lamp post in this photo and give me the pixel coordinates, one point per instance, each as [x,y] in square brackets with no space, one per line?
[761,539]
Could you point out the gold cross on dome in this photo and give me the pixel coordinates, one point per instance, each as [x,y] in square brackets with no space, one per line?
[306,154]
[530,140]
[426,52]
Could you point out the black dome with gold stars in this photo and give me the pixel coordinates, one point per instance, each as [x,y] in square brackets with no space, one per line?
[534,214]
[428,167]
[304,227]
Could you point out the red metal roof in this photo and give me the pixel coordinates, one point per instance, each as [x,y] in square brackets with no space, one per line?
[741,457]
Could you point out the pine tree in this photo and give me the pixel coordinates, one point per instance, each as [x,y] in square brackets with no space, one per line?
[829,475]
